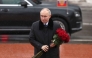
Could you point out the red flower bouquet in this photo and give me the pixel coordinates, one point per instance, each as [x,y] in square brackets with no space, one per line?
[61,36]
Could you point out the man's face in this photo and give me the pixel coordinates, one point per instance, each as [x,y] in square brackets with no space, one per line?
[45,16]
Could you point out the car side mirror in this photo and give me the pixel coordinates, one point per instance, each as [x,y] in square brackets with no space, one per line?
[24,4]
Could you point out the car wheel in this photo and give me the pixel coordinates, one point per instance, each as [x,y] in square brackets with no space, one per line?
[62,23]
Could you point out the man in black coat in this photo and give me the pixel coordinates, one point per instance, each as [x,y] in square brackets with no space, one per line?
[41,36]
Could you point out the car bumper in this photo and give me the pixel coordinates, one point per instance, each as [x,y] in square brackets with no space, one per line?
[77,28]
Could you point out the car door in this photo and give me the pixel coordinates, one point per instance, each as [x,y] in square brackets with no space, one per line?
[14,18]
[13,14]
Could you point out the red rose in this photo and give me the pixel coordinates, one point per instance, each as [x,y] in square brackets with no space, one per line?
[62,35]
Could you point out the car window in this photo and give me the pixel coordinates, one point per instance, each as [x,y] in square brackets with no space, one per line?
[10,1]
[13,2]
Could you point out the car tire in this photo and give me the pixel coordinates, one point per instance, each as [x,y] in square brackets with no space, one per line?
[62,23]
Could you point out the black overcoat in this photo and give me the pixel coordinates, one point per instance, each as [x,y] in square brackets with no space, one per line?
[40,35]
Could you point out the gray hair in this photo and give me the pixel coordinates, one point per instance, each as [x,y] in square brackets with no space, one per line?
[47,9]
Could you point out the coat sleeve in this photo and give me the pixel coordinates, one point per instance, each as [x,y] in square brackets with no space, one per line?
[32,40]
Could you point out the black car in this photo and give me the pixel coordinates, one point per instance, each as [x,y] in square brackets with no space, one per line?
[16,17]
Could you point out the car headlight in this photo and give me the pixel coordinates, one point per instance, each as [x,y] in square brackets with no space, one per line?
[77,14]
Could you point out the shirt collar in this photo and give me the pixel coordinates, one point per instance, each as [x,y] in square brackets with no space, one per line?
[46,23]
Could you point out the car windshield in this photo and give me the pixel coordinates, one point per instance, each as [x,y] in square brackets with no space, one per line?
[9,1]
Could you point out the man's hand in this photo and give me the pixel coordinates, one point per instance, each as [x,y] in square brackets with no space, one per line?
[52,45]
[45,48]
